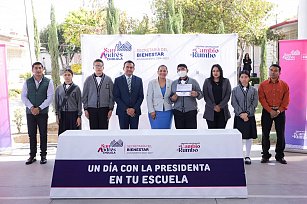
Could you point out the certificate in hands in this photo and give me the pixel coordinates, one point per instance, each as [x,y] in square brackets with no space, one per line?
[184,89]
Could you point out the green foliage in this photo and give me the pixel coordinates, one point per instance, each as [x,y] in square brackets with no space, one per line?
[13,93]
[76,68]
[254,80]
[129,25]
[263,63]
[53,44]
[25,75]
[81,22]
[44,35]
[36,35]
[244,17]
[169,16]
[18,114]
[112,18]
[221,28]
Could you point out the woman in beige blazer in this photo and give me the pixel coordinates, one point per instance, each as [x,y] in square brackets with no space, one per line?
[158,103]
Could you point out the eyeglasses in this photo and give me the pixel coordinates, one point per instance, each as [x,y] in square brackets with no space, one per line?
[98,65]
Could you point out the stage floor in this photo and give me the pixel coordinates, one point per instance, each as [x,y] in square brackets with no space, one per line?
[267,183]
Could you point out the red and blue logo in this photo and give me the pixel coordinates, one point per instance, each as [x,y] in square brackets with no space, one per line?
[116,53]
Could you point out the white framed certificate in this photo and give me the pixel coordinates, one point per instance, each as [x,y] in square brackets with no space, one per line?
[184,89]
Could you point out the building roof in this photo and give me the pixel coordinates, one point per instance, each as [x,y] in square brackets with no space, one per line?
[287,22]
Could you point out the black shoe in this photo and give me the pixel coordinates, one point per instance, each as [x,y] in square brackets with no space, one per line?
[30,160]
[282,161]
[248,160]
[43,160]
[264,160]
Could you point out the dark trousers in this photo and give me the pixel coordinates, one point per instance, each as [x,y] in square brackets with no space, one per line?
[40,121]
[127,122]
[219,121]
[185,120]
[68,121]
[266,124]
[98,118]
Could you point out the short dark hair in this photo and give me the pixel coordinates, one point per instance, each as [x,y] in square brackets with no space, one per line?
[162,66]
[245,72]
[37,63]
[219,68]
[182,65]
[69,70]
[129,61]
[98,60]
[276,65]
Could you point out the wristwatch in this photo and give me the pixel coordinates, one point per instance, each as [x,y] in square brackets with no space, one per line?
[278,111]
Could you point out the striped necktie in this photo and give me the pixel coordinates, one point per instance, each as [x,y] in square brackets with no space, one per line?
[129,84]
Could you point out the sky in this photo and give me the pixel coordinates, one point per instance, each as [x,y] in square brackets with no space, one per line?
[14,13]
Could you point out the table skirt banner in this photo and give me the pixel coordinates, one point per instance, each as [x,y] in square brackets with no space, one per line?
[149,164]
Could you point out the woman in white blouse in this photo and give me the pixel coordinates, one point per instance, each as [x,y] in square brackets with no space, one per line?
[159,105]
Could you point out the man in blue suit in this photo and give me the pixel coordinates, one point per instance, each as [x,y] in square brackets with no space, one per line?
[128,94]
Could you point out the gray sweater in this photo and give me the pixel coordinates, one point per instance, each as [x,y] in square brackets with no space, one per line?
[98,95]
[73,102]
[186,103]
[244,101]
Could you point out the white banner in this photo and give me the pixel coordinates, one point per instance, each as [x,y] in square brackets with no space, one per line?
[198,51]
[149,164]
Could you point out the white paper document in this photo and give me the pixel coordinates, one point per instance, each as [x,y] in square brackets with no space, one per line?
[184,89]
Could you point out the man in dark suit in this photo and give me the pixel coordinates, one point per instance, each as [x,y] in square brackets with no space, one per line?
[128,94]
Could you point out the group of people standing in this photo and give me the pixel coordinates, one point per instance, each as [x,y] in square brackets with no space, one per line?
[164,101]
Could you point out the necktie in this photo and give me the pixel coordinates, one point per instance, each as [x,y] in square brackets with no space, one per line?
[129,84]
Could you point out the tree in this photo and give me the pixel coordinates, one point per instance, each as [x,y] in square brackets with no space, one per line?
[36,36]
[169,16]
[263,63]
[81,22]
[221,28]
[245,17]
[53,49]
[112,18]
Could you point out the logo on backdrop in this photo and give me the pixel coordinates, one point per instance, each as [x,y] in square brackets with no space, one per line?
[291,56]
[300,135]
[138,149]
[110,148]
[209,52]
[152,53]
[116,53]
[189,147]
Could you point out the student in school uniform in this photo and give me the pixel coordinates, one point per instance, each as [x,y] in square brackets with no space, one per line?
[68,105]
[97,97]
[244,100]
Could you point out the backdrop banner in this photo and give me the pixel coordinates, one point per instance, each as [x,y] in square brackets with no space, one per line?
[293,62]
[198,51]
[5,131]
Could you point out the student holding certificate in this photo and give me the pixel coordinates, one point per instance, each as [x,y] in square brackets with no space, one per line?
[184,92]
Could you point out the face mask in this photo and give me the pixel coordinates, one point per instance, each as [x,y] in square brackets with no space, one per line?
[182,74]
